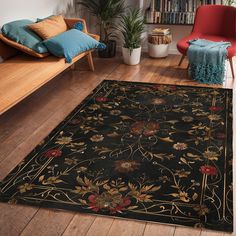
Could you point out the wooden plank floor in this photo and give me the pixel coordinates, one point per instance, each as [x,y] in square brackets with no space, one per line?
[26,124]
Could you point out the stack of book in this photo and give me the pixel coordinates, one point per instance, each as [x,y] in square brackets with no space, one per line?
[160,36]
[175,11]
[161,31]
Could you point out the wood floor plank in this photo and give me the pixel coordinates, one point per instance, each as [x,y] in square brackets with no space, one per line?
[84,83]
[79,77]
[14,218]
[228,234]
[158,229]
[123,74]
[48,223]
[148,68]
[164,70]
[184,231]
[126,228]
[79,225]
[210,233]
[105,66]
[100,226]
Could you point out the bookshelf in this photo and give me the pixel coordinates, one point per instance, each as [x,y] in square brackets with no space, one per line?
[173,12]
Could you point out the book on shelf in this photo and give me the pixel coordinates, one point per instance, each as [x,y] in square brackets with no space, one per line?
[175,11]
[161,31]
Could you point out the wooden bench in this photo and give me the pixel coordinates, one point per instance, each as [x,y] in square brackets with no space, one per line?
[21,74]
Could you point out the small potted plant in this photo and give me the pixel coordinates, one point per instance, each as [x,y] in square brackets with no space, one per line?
[108,13]
[132,27]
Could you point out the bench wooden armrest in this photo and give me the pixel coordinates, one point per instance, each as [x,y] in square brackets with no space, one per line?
[70,22]
[95,36]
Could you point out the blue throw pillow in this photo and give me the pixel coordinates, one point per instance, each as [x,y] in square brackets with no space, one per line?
[71,43]
[78,26]
[19,32]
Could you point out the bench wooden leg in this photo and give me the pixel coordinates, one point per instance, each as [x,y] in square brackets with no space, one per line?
[232,66]
[90,61]
[181,60]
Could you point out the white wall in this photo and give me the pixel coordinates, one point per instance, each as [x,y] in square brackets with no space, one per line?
[31,9]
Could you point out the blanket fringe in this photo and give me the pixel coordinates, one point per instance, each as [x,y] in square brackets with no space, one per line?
[207,74]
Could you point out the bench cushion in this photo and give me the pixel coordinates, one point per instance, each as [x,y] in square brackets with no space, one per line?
[18,32]
[49,27]
[71,43]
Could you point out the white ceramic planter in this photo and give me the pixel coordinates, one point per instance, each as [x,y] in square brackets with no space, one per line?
[133,58]
[158,51]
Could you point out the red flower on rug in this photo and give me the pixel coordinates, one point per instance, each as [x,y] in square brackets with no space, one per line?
[101,99]
[220,135]
[146,128]
[53,153]
[208,170]
[107,201]
[215,108]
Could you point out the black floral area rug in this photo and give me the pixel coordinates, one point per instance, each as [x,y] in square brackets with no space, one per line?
[141,151]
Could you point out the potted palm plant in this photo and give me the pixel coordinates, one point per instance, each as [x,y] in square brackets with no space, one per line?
[132,27]
[107,13]
[230,2]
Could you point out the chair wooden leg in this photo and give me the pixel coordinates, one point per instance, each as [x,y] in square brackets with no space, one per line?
[181,60]
[232,66]
[90,61]
[188,66]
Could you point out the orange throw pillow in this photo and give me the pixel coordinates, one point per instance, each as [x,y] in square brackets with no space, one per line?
[49,27]
[22,47]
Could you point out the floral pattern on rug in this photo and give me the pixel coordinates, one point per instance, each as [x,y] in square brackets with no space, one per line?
[143,151]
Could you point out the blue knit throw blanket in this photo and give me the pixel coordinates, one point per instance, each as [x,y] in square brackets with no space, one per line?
[207,60]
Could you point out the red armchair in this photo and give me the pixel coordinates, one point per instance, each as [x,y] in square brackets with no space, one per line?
[215,23]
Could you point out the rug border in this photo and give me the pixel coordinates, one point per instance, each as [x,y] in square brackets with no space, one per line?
[93,92]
